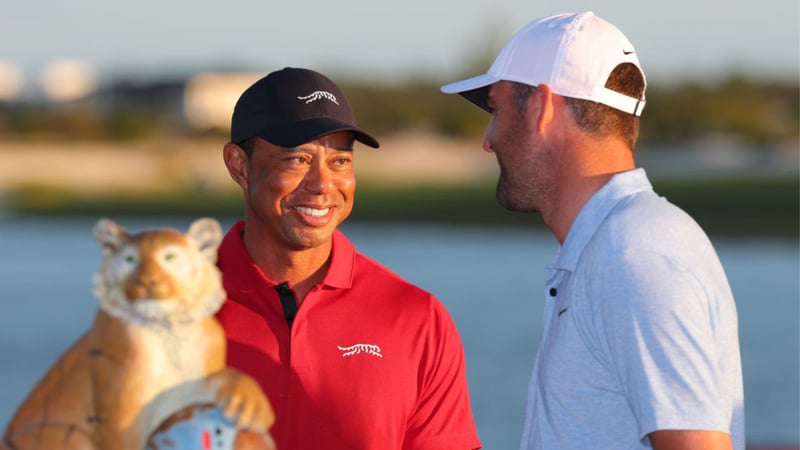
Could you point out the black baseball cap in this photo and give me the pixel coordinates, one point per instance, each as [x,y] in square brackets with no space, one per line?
[292,106]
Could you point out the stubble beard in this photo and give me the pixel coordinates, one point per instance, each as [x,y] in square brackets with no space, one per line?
[504,193]
[522,186]
[519,198]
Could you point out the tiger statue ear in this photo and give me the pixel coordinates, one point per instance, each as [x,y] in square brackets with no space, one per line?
[110,235]
[206,233]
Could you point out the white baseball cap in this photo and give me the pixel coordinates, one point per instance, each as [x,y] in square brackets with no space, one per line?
[572,53]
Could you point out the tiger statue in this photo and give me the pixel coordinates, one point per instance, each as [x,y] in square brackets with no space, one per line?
[153,359]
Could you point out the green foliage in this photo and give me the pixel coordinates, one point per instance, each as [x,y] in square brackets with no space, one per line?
[739,205]
[754,206]
[38,122]
[758,112]
[79,122]
[755,112]
[417,105]
[131,123]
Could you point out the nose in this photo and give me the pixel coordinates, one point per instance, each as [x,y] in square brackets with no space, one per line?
[148,282]
[318,179]
[487,146]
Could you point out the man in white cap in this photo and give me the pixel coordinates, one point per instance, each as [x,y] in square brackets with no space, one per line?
[640,343]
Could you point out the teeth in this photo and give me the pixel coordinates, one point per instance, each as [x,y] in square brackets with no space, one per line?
[313,212]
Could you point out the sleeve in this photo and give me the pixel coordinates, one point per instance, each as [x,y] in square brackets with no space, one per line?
[659,320]
[443,416]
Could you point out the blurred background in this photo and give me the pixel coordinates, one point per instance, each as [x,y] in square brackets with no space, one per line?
[122,110]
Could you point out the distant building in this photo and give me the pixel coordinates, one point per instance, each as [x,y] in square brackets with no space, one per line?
[11,81]
[196,102]
[209,98]
[152,103]
[67,80]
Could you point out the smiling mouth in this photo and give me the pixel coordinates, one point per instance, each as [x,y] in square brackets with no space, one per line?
[313,212]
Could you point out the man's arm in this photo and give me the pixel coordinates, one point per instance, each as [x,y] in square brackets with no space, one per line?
[690,440]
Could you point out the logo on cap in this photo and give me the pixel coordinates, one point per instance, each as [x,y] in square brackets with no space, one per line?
[317,95]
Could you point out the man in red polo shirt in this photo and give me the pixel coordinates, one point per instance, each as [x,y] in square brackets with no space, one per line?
[350,355]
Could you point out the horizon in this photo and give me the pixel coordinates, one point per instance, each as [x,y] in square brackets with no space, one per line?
[439,41]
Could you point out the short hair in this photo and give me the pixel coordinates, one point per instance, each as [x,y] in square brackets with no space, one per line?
[520,93]
[602,120]
[248,145]
[597,118]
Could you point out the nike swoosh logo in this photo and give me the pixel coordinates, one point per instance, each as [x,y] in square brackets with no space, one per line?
[626,52]
[563,311]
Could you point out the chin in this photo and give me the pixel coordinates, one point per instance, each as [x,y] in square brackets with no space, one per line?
[312,238]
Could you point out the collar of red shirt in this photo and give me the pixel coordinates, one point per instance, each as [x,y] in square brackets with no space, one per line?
[234,259]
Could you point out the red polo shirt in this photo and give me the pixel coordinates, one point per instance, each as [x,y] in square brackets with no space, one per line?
[370,361]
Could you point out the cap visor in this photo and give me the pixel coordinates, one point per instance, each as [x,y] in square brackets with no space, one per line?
[469,84]
[473,89]
[308,130]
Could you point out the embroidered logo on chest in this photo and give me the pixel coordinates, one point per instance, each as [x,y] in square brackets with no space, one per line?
[369,349]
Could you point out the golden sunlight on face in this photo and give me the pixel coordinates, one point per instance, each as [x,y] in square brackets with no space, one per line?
[526,162]
[299,195]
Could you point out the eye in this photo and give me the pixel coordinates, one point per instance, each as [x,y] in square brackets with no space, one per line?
[298,159]
[171,254]
[341,161]
[129,256]
[126,260]
[173,258]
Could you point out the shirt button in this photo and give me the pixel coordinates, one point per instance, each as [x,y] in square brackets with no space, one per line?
[553,292]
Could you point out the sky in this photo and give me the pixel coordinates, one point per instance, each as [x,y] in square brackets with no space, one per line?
[383,41]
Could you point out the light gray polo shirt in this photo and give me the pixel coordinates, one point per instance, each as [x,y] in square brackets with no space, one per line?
[640,329]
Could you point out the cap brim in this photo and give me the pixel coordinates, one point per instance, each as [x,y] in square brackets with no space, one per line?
[473,89]
[308,130]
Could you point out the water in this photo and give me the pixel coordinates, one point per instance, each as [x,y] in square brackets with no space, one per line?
[490,279]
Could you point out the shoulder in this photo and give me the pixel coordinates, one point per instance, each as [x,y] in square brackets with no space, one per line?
[645,226]
[649,250]
[646,215]
[385,287]
[368,271]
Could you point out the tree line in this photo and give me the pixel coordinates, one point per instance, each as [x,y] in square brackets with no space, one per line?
[757,112]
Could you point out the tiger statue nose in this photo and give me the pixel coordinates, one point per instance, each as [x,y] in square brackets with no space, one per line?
[149,287]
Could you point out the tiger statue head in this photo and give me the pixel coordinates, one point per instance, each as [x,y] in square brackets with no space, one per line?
[159,277]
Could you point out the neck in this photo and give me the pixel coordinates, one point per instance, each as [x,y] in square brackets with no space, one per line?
[303,269]
[592,164]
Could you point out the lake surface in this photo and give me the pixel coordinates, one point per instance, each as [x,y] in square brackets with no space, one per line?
[490,279]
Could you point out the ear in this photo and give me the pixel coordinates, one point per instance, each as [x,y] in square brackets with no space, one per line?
[206,233]
[236,161]
[542,109]
[109,235]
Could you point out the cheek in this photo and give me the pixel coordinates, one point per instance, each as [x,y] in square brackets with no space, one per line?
[500,131]
[347,185]
[269,187]
[488,135]
[262,187]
